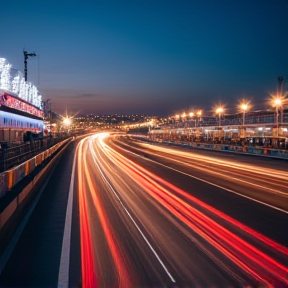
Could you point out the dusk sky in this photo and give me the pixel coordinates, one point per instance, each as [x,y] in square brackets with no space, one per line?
[148,57]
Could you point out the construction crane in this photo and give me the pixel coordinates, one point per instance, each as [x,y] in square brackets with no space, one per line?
[26,55]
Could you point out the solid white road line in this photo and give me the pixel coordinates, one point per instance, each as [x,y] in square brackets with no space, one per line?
[205,181]
[130,216]
[63,278]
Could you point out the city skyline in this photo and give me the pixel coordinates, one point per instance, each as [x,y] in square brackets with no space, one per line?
[148,58]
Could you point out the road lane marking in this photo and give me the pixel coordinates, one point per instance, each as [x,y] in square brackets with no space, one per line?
[63,277]
[130,216]
[205,181]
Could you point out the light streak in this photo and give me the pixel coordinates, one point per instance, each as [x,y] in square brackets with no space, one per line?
[183,193]
[88,267]
[127,212]
[246,248]
[245,255]
[230,164]
[224,175]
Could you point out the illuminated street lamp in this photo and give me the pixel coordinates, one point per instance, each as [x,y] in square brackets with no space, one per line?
[176,117]
[244,107]
[184,118]
[199,113]
[66,121]
[277,103]
[191,115]
[219,111]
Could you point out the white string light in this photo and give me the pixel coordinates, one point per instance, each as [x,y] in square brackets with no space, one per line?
[17,85]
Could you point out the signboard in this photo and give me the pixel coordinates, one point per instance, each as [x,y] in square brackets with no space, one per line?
[18,104]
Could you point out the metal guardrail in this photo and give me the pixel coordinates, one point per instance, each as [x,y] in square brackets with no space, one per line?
[9,178]
[260,151]
[12,154]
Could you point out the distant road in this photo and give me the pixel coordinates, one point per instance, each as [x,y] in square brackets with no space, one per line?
[147,215]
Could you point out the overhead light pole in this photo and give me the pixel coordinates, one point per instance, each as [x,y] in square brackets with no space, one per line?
[191,115]
[244,107]
[219,111]
[277,103]
[199,114]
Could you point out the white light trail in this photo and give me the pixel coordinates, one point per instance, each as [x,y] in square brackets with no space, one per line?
[94,156]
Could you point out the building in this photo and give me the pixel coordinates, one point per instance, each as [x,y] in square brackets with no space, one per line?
[20,105]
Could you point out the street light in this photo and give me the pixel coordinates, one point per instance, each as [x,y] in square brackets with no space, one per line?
[184,118]
[198,113]
[191,115]
[219,110]
[277,103]
[176,117]
[66,121]
[244,107]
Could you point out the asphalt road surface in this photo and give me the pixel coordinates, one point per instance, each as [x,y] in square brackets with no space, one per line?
[119,212]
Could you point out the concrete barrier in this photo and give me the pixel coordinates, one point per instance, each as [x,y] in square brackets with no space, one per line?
[252,150]
[3,183]
[19,173]
[10,181]
[22,196]
[12,215]
[12,177]
[38,159]
[8,212]
[283,154]
[30,166]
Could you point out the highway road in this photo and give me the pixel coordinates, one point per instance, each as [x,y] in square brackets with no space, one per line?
[119,212]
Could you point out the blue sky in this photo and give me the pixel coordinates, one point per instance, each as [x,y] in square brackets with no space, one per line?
[148,57]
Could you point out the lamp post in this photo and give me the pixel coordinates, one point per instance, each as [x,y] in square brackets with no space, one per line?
[67,123]
[191,115]
[183,118]
[198,113]
[244,107]
[176,118]
[277,103]
[219,110]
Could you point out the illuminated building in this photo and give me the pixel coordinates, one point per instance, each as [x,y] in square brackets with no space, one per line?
[20,105]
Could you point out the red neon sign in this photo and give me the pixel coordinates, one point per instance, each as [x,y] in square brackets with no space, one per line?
[16,103]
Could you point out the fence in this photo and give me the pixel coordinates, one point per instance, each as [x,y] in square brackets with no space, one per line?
[13,154]
[9,178]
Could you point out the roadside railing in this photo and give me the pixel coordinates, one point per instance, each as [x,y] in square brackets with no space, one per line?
[13,154]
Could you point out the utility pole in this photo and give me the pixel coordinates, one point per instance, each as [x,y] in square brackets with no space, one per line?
[26,55]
